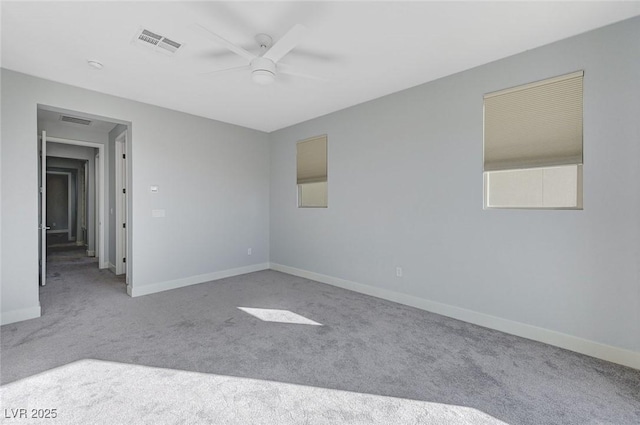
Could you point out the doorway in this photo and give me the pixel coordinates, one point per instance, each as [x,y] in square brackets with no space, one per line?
[67,211]
[78,177]
[62,152]
[61,205]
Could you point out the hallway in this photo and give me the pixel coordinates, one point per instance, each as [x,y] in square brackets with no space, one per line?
[70,270]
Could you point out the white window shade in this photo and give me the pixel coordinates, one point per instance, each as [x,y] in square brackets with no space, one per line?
[312,160]
[535,125]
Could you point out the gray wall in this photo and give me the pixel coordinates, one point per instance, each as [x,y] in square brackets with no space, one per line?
[213,178]
[405,189]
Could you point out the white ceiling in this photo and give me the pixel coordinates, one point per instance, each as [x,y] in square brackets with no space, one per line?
[367,49]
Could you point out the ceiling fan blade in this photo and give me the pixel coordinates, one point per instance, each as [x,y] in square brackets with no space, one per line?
[300,74]
[314,55]
[217,54]
[224,71]
[286,43]
[224,42]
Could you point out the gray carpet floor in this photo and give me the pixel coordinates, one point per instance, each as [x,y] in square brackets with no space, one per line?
[365,346]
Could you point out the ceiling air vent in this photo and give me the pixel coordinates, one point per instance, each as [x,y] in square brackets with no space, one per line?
[169,45]
[156,42]
[75,120]
[149,37]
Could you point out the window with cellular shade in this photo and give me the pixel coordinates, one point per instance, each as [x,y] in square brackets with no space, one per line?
[312,160]
[534,125]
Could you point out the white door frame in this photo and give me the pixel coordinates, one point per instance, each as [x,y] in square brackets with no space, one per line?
[121,202]
[101,241]
[42,238]
[97,169]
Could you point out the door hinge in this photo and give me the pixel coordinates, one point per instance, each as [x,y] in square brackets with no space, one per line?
[124,259]
[124,225]
[124,190]
[124,156]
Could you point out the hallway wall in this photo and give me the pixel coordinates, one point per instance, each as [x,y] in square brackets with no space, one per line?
[88,154]
[59,203]
[78,167]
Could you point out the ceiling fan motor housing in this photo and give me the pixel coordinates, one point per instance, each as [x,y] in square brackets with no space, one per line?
[263,70]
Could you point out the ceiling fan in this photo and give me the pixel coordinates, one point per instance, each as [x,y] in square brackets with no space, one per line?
[266,65]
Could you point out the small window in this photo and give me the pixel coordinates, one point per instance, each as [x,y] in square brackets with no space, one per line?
[312,172]
[533,145]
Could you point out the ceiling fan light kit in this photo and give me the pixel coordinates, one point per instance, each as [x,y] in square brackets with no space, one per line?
[262,77]
[263,71]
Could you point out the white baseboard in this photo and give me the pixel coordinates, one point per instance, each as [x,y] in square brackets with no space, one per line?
[136,291]
[91,253]
[112,268]
[19,315]
[558,339]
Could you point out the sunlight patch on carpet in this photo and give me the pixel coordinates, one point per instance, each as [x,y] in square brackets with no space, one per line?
[279,316]
[102,392]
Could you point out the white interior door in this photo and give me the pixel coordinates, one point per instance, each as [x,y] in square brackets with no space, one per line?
[43,210]
[123,229]
[121,204]
[97,207]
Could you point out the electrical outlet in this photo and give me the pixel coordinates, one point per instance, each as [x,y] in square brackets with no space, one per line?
[249,251]
[398,271]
